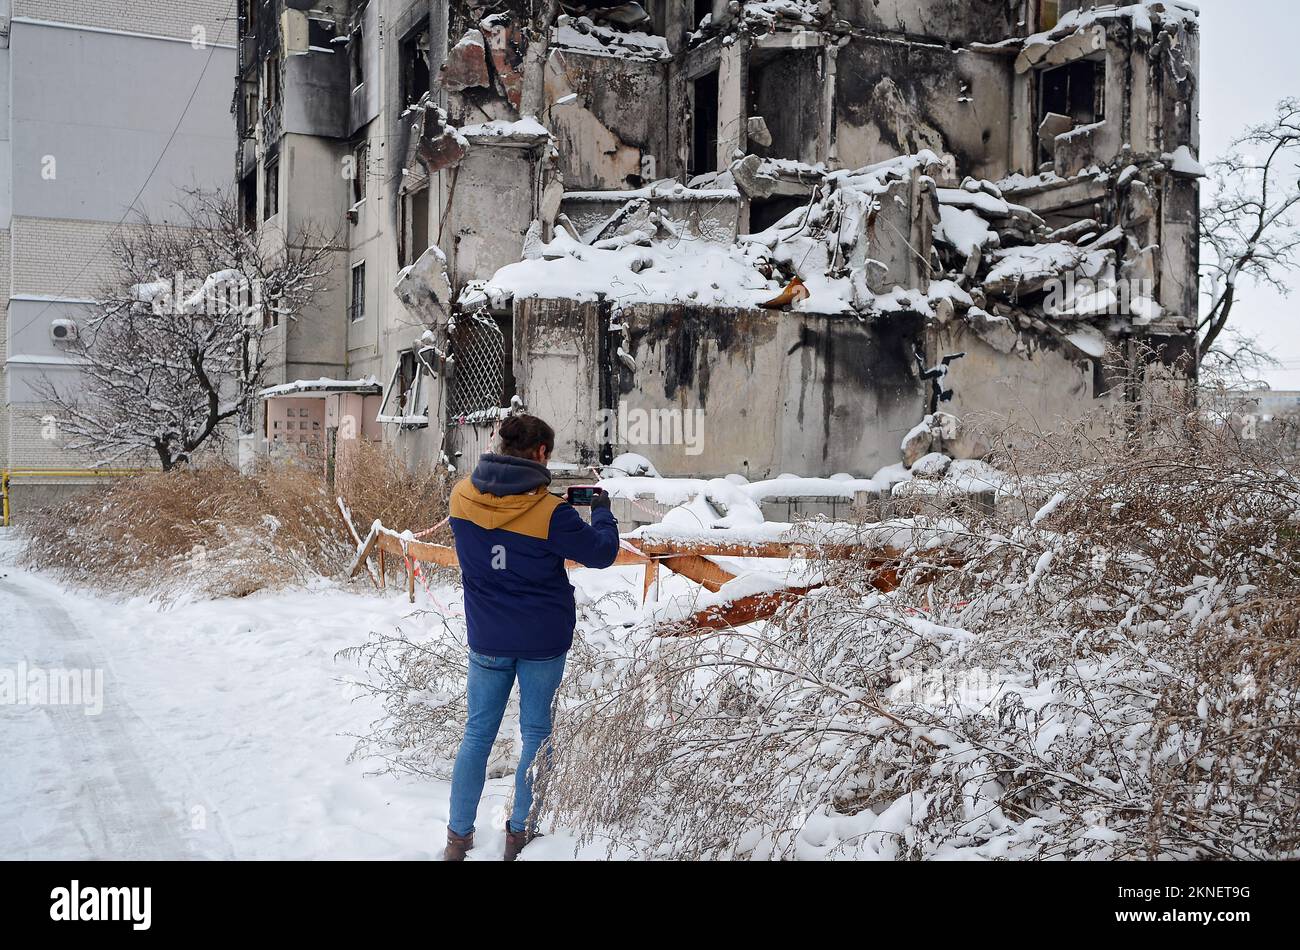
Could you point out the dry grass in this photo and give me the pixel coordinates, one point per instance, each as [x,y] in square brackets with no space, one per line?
[211,531]
[1117,676]
[1110,670]
[376,484]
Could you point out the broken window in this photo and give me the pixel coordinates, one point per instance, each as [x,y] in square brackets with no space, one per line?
[1076,90]
[248,99]
[271,193]
[704,124]
[360,158]
[778,78]
[320,33]
[701,8]
[1070,96]
[356,47]
[414,239]
[357,303]
[406,400]
[272,84]
[415,66]
[248,200]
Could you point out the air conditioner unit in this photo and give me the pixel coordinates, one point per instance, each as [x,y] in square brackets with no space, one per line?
[63,331]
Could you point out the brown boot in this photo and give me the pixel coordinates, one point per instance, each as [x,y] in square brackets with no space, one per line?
[457,845]
[516,841]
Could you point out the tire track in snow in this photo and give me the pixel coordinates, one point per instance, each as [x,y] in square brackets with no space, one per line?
[118,811]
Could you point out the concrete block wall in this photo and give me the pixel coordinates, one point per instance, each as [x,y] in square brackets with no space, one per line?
[44,258]
[64,257]
[174,18]
[36,443]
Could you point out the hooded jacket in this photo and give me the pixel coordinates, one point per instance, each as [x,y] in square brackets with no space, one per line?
[512,539]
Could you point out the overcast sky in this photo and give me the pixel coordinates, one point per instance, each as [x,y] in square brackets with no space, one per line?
[1249,61]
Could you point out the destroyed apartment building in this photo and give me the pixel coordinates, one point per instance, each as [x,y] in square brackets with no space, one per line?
[825,232]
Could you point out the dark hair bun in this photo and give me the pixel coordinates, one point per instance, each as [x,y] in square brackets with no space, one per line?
[521,435]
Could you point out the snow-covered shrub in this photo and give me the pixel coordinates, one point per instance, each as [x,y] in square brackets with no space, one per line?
[1112,674]
[420,682]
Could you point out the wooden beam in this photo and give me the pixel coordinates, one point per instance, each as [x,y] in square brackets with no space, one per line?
[651,578]
[734,614]
[363,552]
[625,557]
[699,569]
[445,556]
[770,549]
[439,554]
[346,513]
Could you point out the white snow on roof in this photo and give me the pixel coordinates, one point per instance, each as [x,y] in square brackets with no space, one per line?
[1183,162]
[1146,16]
[527,127]
[678,491]
[1035,261]
[681,270]
[964,230]
[593,39]
[323,384]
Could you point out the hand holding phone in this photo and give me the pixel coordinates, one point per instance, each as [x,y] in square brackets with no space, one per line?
[587,496]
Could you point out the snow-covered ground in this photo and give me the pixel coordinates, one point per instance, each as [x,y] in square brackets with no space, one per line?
[224,731]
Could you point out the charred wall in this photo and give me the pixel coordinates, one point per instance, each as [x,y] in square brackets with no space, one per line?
[956,22]
[895,98]
[774,392]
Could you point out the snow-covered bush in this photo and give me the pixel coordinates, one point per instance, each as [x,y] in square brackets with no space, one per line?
[421,685]
[1106,665]
[1114,674]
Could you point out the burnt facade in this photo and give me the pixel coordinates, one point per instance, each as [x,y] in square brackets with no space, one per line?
[782,213]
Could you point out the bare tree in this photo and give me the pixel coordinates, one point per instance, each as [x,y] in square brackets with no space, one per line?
[174,349]
[1248,228]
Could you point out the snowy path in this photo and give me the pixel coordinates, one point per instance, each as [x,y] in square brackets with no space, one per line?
[223,733]
[85,775]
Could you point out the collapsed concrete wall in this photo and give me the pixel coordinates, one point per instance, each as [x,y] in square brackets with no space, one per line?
[603,143]
[813,221]
[713,390]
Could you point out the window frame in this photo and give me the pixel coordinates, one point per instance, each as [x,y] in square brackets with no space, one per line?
[357,302]
[414,394]
[271,188]
[407,51]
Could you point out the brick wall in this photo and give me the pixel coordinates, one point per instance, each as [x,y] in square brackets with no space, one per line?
[49,253]
[175,18]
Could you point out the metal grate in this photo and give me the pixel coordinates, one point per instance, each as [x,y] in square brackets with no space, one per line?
[478,367]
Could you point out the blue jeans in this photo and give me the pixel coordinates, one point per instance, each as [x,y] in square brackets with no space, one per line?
[490,681]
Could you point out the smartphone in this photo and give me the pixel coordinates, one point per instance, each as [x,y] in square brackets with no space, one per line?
[580,496]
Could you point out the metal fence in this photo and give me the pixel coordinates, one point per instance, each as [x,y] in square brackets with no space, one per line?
[478,373]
